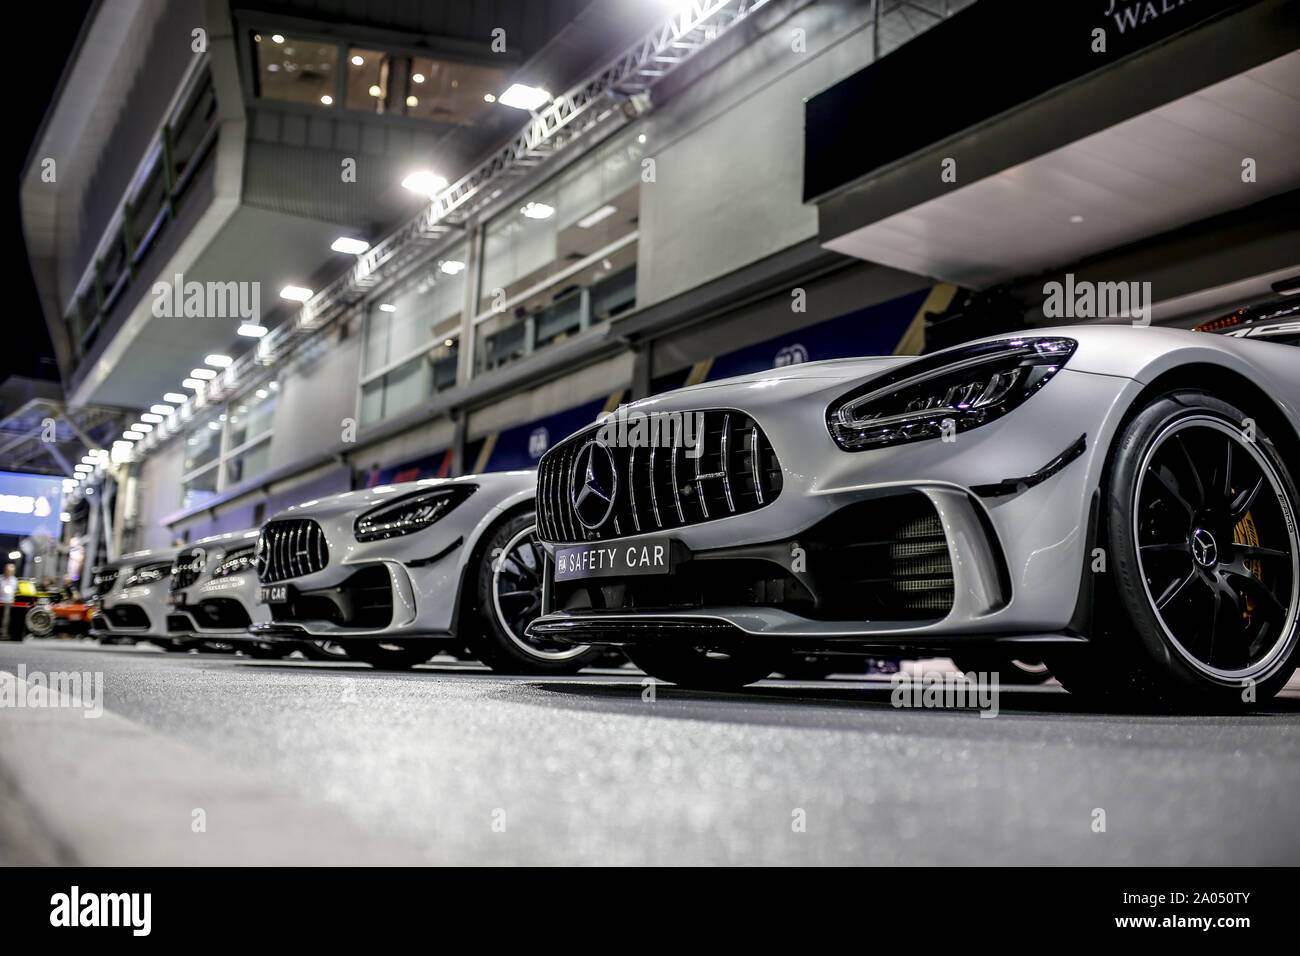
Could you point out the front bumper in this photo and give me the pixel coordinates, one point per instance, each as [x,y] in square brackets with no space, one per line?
[1017,550]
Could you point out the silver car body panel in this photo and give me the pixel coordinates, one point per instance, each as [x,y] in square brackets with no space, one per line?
[241,587]
[1042,531]
[425,568]
[152,598]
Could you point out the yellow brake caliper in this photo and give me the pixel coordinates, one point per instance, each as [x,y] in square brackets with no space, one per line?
[1246,534]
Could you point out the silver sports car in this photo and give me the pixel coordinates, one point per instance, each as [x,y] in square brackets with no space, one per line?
[396,573]
[133,599]
[1118,501]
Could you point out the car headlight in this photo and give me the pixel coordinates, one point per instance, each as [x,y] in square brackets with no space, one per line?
[148,575]
[234,562]
[952,391]
[410,514]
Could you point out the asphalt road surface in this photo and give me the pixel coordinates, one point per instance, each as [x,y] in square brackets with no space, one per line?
[221,759]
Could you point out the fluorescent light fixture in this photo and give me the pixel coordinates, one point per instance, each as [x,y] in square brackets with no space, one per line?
[523,97]
[217,360]
[64,517]
[327,100]
[387,307]
[83,467]
[203,373]
[252,330]
[89,460]
[537,210]
[453,267]
[193,383]
[215,425]
[141,427]
[151,417]
[295,293]
[353,247]
[489,98]
[417,77]
[161,409]
[15,555]
[132,435]
[358,61]
[589,220]
[277,37]
[176,398]
[262,393]
[425,183]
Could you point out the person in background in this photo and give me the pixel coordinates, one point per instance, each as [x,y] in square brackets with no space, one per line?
[8,590]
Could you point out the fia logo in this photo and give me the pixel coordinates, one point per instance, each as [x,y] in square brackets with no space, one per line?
[794,354]
[538,442]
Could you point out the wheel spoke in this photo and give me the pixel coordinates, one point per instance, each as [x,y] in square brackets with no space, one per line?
[1255,589]
[1165,547]
[1175,591]
[1191,468]
[1240,505]
[1227,471]
[1170,489]
[1248,551]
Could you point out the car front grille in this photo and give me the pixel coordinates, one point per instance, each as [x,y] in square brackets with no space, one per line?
[102,581]
[660,486]
[186,568]
[290,549]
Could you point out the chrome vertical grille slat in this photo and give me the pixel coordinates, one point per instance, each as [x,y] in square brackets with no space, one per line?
[289,549]
[723,480]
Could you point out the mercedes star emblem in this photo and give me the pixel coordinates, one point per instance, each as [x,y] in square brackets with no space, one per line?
[593,484]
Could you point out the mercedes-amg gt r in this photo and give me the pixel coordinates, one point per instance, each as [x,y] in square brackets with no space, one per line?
[132,595]
[396,573]
[1117,501]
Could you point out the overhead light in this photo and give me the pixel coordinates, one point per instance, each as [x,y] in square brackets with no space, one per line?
[193,383]
[89,460]
[161,409]
[523,97]
[453,267]
[358,61]
[1076,218]
[640,137]
[214,425]
[589,220]
[353,247]
[295,293]
[417,77]
[274,386]
[15,555]
[376,91]
[262,393]
[65,517]
[217,360]
[277,37]
[327,100]
[203,373]
[1287,286]
[141,426]
[425,183]
[449,342]
[538,210]
[252,330]
[132,435]
[176,398]
[151,417]
[412,101]
[83,467]
[387,307]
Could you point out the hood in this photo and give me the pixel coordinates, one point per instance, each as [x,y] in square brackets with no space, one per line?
[500,483]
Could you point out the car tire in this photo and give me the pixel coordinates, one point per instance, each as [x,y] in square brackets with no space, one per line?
[1178,626]
[41,622]
[508,595]
[1010,671]
[388,656]
[701,669]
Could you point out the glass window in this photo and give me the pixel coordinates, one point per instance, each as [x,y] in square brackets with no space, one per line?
[370,75]
[564,258]
[449,92]
[203,444]
[251,418]
[248,464]
[411,338]
[295,70]
[199,488]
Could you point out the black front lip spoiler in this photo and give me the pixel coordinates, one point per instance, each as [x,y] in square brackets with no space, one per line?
[593,629]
